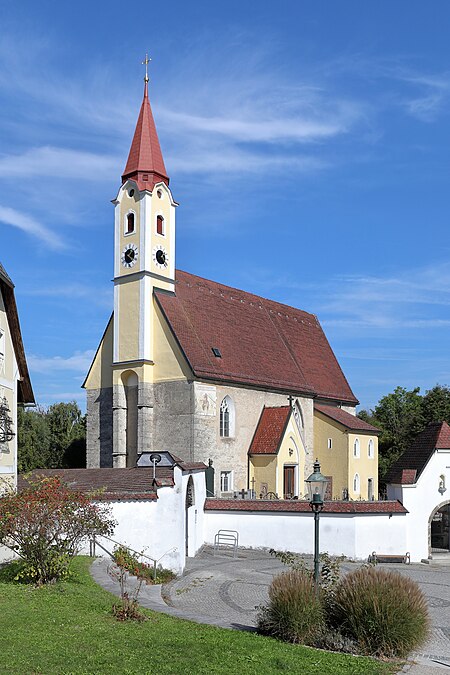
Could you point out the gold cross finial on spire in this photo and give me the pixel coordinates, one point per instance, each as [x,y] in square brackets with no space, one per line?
[145,63]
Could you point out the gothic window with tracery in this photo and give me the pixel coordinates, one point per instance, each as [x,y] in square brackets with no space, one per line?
[226,422]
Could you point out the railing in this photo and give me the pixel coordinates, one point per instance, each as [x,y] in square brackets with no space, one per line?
[93,543]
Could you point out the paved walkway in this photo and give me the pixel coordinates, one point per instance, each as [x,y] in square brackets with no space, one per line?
[223,591]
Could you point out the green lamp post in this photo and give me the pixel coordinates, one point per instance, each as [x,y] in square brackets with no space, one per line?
[317,485]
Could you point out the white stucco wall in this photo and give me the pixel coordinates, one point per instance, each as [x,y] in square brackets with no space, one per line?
[421,500]
[354,536]
[157,528]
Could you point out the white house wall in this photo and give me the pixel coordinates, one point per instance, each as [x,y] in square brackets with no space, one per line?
[421,499]
[340,534]
[157,528]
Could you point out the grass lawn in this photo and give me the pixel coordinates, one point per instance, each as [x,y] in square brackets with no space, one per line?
[68,628]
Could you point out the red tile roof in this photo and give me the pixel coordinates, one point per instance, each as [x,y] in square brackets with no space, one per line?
[301,506]
[145,162]
[262,343]
[407,469]
[269,431]
[115,484]
[352,422]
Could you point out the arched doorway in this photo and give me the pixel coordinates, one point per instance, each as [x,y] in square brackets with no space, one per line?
[439,529]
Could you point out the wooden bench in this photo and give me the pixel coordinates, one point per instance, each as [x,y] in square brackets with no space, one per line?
[389,558]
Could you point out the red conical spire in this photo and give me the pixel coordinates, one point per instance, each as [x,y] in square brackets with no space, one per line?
[145,162]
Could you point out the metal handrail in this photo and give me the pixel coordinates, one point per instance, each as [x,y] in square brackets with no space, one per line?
[93,543]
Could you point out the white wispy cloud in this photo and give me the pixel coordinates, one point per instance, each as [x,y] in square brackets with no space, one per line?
[79,361]
[59,163]
[98,296]
[31,226]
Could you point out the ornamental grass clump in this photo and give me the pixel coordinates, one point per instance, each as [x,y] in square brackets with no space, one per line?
[294,612]
[384,612]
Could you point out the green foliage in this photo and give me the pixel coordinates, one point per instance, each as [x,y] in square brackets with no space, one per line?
[294,612]
[51,439]
[384,612]
[68,628]
[124,557]
[401,415]
[329,569]
[45,525]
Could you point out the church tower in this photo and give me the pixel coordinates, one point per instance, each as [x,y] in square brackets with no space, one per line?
[144,259]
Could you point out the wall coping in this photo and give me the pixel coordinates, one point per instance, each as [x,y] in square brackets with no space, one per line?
[302,506]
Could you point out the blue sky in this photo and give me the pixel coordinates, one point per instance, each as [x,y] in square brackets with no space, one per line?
[307,144]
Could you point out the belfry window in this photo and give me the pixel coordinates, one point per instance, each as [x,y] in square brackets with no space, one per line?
[226,422]
[159,225]
[129,223]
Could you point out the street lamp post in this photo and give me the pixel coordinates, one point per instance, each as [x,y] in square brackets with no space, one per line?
[317,485]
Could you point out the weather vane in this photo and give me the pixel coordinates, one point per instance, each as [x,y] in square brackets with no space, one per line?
[145,63]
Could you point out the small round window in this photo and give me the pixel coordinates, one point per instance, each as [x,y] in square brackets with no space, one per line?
[131,192]
[160,194]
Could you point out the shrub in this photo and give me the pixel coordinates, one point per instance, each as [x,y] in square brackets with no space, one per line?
[125,558]
[385,612]
[294,612]
[45,524]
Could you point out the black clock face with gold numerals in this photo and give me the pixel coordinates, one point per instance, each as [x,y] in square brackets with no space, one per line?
[129,255]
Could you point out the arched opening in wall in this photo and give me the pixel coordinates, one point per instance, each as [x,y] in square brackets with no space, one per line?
[160,225]
[190,501]
[438,529]
[129,223]
[130,382]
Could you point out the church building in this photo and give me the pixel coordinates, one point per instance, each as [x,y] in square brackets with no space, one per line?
[207,372]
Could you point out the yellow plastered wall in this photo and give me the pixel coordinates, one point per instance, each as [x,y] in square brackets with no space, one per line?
[334,461]
[291,453]
[130,204]
[263,468]
[129,308]
[161,206]
[100,374]
[364,466]
[169,362]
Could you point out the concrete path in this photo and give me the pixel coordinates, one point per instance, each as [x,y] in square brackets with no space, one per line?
[223,591]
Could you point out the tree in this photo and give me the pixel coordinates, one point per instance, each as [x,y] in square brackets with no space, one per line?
[51,439]
[33,440]
[46,523]
[436,404]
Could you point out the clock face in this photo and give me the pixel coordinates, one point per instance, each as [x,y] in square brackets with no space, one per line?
[160,257]
[130,255]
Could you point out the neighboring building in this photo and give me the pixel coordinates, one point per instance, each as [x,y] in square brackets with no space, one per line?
[347,448]
[420,480]
[194,367]
[15,385]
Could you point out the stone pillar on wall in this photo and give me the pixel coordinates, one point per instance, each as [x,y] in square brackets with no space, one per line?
[145,417]
[119,428]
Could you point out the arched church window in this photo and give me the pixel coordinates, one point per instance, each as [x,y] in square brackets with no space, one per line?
[159,225]
[356,449]
[129,226]
[298,415]
[190,493]
[226,422]
[356,484]
[370,449]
